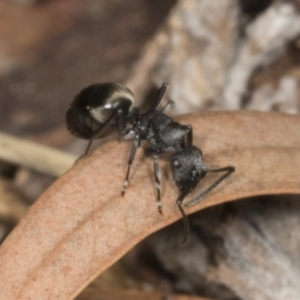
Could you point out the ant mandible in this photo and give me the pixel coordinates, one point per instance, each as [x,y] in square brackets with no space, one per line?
[100,107]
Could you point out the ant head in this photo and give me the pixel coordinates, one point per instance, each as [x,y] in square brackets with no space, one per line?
[187,167]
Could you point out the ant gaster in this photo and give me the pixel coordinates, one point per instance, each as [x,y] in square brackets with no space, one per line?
[100,107]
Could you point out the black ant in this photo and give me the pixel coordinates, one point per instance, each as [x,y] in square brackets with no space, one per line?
[99,107]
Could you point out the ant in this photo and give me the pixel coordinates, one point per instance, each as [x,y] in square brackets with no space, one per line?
[100,107]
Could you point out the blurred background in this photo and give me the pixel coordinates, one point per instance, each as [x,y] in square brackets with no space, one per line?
[225,54]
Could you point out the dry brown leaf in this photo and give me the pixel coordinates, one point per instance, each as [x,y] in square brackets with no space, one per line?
[81,225]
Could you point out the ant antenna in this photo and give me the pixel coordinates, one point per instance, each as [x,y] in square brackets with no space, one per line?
[186,226]
[228,170]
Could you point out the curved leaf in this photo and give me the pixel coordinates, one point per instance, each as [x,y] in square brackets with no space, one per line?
[81,225]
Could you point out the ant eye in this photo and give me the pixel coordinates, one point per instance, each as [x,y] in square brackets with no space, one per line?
[176,163]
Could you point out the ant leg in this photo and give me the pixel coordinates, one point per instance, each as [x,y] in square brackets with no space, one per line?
[157,181]
[98,132]
[189,139]
[185,192]
[135,145]
[122,122]
[157,97]
[88,147]
[167,106]
[228,171]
